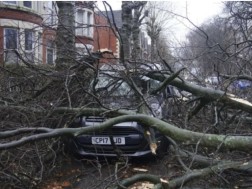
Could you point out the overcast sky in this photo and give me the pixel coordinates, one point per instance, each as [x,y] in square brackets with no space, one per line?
[197,11]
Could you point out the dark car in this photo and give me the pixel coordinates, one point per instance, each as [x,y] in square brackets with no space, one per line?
[124,139]
[128,137]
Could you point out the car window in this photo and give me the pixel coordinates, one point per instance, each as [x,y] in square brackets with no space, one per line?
[154,84]
[113,86]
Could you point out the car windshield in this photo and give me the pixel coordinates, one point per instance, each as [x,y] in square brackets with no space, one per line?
[110,83]
[114,86]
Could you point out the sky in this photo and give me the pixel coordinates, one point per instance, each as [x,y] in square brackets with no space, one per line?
[198,11]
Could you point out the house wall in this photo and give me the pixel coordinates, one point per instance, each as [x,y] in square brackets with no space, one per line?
[19,17]
[105,39]
[15,14]
[84,40]
[1,46]
[84,43]
[48,35]
[37,7]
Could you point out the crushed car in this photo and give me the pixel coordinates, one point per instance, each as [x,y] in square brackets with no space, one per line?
[127,138]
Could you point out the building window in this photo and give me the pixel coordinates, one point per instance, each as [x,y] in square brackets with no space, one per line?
[39,47]
[89,22]
[83,50]
[50,15]
[28,44]
[28,40]
[80,22]
[50,55]
[11,40]
[10,2]
[28,4]
[50,52]
[84,21]
[10,45]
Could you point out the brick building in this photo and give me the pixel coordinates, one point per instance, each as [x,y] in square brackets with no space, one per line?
[20,23]
[28,28]
[106,39]
[106,36]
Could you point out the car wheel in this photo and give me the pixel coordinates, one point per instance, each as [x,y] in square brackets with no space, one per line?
[163,148]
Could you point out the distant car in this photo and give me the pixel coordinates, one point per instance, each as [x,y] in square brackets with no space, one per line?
[212,80]
[242,84]
[129,137]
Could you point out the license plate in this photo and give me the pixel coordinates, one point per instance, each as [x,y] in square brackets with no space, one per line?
[106,140]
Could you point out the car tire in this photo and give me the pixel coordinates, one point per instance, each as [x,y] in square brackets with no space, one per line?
[163,148]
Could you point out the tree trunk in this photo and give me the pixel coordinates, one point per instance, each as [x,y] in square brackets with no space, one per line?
[220,142]
[206,93]
[65,37]
[126,30]
[138,7]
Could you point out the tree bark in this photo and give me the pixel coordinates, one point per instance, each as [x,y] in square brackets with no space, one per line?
[206,93]
[227,142]
[137,21]
[126,30]
[65,36]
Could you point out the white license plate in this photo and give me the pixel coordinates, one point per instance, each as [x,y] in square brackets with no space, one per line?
[106,140]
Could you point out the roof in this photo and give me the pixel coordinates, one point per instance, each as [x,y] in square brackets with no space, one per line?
[117,17]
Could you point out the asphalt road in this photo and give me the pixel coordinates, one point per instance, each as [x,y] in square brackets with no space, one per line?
[93,173]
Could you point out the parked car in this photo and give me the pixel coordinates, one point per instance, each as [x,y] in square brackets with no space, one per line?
[124,139]
[213,80]
[242,84]
[129,140]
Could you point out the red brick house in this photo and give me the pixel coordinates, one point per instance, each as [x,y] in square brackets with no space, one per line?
[20,23]
[28,28]
[106,39]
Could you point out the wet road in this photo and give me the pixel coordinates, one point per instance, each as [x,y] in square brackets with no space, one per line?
[99,174]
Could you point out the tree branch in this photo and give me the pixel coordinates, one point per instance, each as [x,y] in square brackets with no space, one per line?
[166,82]
[207,93]
[242,143]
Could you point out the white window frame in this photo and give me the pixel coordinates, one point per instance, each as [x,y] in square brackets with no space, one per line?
[83,49]
[29,54]
[10,2]
[53,50]
[85,29]
[5,38]
[26,6]
[80,30]
[11,49]
[89,24]
[33,35]
[50,14]
[39,47]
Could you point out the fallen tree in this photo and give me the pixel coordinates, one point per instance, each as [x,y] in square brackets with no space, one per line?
[227,142]
[188,176]
[208,94]
[220,142]
[36,117]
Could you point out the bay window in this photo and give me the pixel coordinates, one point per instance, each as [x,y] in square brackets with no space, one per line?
[10,2]
[80,22]
[50,52]
[28,44]
[11,38]
[10,45]
[27,4]
[89,22]
[28,39]
[84,21]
